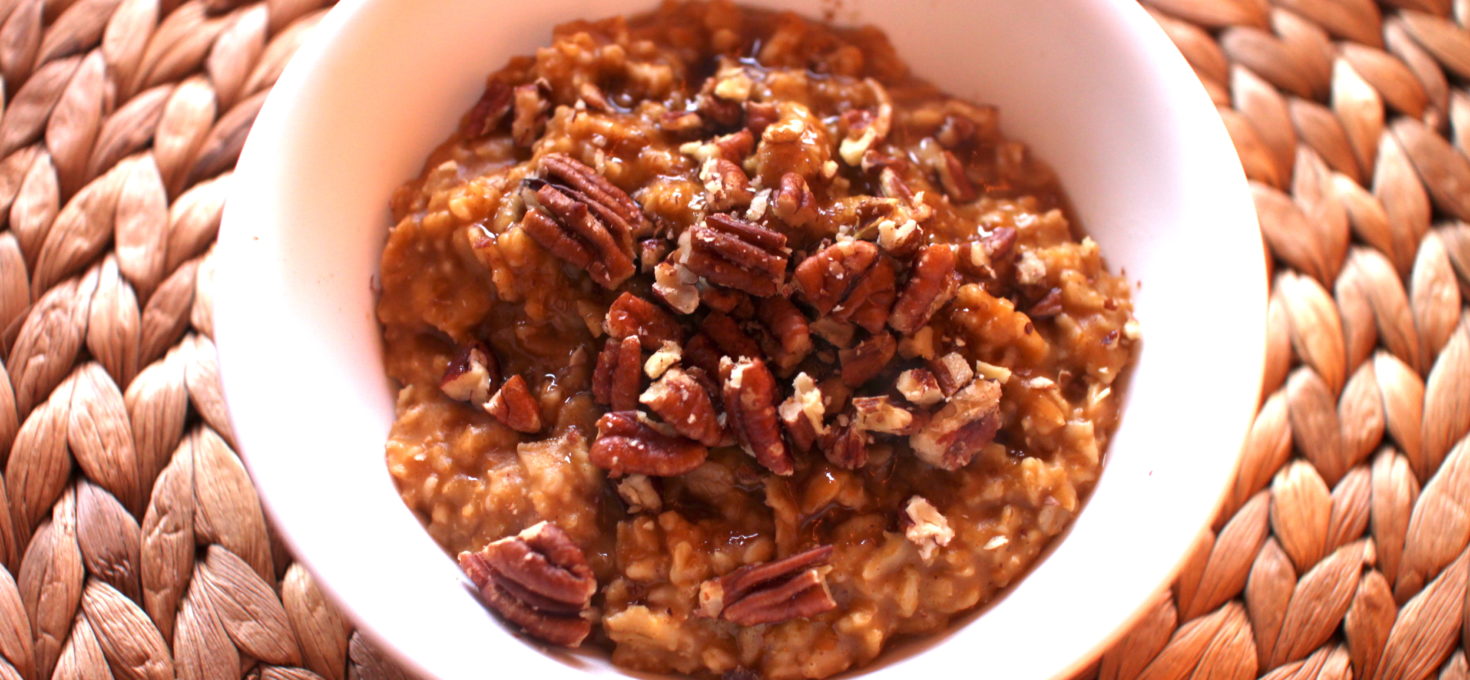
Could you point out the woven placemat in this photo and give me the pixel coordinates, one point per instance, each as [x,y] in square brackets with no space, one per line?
[134,546]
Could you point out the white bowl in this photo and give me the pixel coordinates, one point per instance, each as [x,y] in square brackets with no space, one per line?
[1093,86]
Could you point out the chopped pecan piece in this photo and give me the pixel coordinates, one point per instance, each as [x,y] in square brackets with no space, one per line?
[803,412]
[683,403]
[845,446]
[1048,306]
[539,580]
[920,387]
[948,169]
[793,201]
[880,414]
[783,590]
[471,374]
[759,116]
[675,285]
[825,277]
[839,334]
[489,110]
[952,371]
[999,244]
[725,185]
[967,423]
[667,355]
[750,398]
[926,527]
[640,494]
[932,283]
[867,359]
[788,336]
[651,252]
[591,96]
[633,316]
[684,124]
[530,105]
[514,405]
[727,336]
[628,444]
[735,146]
[865,131]
[850,280]
[616,379]
[729,251]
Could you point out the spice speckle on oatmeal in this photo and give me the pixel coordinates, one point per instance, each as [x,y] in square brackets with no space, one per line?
[729,346]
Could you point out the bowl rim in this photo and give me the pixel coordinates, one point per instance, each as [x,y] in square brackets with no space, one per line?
[273,117]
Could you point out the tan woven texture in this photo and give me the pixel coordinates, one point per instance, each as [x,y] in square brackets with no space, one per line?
[134,546]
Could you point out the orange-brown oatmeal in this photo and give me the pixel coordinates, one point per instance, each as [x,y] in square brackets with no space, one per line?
[730,346]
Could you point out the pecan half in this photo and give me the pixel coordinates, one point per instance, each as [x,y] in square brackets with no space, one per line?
[539,580]
[613,205]
[729,251]
[956,433]
[616,378]
[567,227]
[867,359]
[725,185]
[514,405]
[803,412]
[788,336]
[845,446]
[750,398]
[530,105]
[793,201]
[919,386]
[932,283]
[628,444]
[471,374]
[633,316]
[679,400]
[783,590]
[489,110]
[880,414]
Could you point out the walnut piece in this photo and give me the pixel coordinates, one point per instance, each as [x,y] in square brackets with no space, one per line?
[471,374]
[679,400]
[926,527]
[956,433]
[539,580]
[750,406]
[615,379]
[514,405]
[628,444]
[772,592]
[729,251]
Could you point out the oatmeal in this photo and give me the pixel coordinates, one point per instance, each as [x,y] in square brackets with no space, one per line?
[728,345]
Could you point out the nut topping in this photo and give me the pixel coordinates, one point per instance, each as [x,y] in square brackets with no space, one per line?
[845,446]
[773,592]
[920,387]
[788,337]
[579,220]
[682,402]
[628,444]
[750,398]
[727,336]
[633,316]
[952,371]
[932,283]
[514,405]
[489,110]
[867,359]
[611,204]
[870,129]
[616,379]
[725,185]
[880,414]
[531,106]
[803,412]
[958,431]
[639,493]
[675,285]
[729,251]
[793,202]
[471,374]
[926,527]
[824,278]
[539,580]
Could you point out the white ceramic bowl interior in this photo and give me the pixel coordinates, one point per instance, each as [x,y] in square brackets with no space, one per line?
[1092,85]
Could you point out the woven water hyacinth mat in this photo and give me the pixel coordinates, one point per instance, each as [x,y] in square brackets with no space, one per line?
[134,546]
